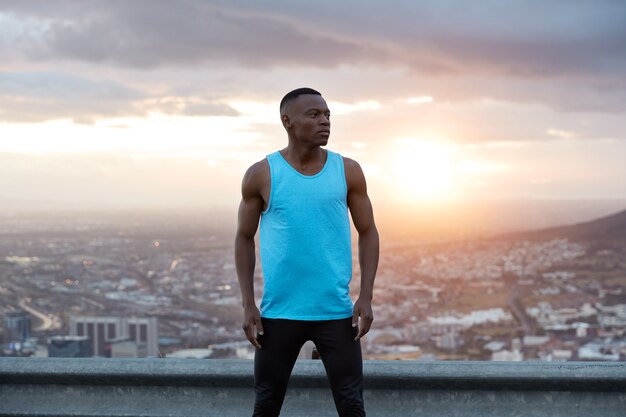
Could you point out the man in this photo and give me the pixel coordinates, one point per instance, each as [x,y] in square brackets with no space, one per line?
[302,194]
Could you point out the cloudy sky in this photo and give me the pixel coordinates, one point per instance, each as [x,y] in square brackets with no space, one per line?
[160,104]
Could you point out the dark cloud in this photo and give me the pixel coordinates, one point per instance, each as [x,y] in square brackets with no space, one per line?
[40,96]
[529,38]
[150,34]
[43,85]
[513,38]
[531,58]
[568,55]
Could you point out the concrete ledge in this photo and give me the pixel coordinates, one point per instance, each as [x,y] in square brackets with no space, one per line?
[184,387]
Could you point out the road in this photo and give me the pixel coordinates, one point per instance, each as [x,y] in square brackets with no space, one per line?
[520,313]
[47,321]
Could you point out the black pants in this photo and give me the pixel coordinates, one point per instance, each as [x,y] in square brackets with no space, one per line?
[280,344]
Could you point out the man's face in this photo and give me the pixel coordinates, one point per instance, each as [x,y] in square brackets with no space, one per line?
[310,119]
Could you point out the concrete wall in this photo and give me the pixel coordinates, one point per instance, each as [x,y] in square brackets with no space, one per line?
[188,387]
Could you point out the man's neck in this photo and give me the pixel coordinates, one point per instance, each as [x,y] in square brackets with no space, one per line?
[306,161]
[303,156]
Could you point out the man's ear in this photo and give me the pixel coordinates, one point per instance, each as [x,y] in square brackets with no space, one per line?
[286,121]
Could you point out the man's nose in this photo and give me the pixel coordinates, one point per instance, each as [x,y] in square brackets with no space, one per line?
[325,120]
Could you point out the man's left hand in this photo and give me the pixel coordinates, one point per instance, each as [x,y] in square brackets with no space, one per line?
[363,309]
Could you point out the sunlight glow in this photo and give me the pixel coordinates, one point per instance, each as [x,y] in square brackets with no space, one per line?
[560,133]
[420,100]
[477,167]
[255,111]
[155,134]
[346,108]
[423,169]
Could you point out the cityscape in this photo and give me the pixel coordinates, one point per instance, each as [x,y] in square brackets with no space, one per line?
[159,286]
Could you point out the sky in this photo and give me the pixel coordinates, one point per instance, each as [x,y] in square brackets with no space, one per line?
[163,104]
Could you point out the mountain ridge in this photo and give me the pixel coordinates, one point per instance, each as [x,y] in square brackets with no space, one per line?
[610,227]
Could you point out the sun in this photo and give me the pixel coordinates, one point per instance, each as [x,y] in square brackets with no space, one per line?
[422,169]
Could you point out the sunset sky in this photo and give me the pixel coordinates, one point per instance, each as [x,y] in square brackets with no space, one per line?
[117,104]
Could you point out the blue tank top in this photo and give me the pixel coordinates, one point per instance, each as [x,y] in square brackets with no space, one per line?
[305,243]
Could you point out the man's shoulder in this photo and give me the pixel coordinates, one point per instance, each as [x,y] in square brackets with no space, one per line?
[258,167]
[350,164]
[257,174]
[355,178]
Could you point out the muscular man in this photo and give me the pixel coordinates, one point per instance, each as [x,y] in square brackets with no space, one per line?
[302,195]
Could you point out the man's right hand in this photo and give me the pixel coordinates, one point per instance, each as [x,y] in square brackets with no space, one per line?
[252,320]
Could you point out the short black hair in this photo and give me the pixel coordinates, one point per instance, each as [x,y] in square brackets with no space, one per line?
[292,95]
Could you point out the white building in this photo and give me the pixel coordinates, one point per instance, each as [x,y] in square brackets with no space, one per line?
[507,355]
[101,329]
[126,348]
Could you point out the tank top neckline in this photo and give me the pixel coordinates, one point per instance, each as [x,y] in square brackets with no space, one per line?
[328,154]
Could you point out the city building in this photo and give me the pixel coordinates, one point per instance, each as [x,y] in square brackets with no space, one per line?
[125,348]
[17,326]
[69,347]
[101,329]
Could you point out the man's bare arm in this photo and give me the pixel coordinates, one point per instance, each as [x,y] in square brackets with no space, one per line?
[363,218]
[245,256]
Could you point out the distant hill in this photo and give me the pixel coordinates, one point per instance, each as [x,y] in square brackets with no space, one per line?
[612,227]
